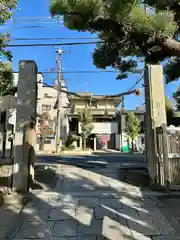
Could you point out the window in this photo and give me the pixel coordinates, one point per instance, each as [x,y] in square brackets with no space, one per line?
[46,107]
[94,104]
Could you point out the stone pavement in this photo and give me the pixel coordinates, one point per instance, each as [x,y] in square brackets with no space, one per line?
[92,204]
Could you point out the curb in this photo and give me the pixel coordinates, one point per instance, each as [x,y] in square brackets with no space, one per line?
[65,153]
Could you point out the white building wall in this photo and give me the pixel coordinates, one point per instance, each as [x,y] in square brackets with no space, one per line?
[101,127]
[49,97]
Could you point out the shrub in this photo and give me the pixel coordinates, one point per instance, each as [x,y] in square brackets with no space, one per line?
[71,147]
[63,148]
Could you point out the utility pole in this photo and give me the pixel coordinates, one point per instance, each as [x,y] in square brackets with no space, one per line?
[58,123]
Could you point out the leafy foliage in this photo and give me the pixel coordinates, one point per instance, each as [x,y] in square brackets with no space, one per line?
[169,110]
[6,87]
[85,118]
[176,96]
[132,127]
[128,31]
[69,142]
[170,113]
[6,80]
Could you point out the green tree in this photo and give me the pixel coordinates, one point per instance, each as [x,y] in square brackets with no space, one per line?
[6,80]
[129,31]
[6,74]
[169,110]
[132,127]
[85,118]
[176,96]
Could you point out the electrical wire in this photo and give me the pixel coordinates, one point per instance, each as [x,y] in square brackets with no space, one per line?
[77,72]
[51,38]
[138,80]
[80,72]
[53,44]
[35,22]
[34,26]
[35,18]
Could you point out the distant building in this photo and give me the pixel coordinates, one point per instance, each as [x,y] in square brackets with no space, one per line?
[103,109]
[109,126]
[46,100]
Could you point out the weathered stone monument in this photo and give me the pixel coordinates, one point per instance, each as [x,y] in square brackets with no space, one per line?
[155,117]
[25,115]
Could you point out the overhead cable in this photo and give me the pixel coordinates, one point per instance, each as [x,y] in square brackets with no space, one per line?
[51,38]
[138,80]
[53,44]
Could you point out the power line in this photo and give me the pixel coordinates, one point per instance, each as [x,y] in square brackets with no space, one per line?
[80,72]
[75,72]
[138,80]
[51,38]
[36,18]
[36,22]
[53,44]
[35,26]
[83,71]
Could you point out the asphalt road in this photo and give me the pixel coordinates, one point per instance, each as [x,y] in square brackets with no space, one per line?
[95,160]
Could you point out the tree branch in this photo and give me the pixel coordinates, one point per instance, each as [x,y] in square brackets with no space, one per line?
[169,46]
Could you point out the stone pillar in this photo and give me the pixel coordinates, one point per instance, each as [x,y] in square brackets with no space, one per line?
[155,117]
[25,111]
[95,144]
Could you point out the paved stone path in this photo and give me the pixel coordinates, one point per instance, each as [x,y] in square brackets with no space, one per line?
[92,205]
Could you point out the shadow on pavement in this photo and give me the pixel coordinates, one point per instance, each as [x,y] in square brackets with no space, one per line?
[135,176]
[45,177]
[88,205]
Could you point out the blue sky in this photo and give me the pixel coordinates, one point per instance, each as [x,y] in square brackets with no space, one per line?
[75,57]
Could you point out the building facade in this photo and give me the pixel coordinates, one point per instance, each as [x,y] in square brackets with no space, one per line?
[105,124]
[47,99]
[108,125]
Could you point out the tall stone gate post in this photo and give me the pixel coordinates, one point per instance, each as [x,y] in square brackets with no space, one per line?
[25,112]
[155,115]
